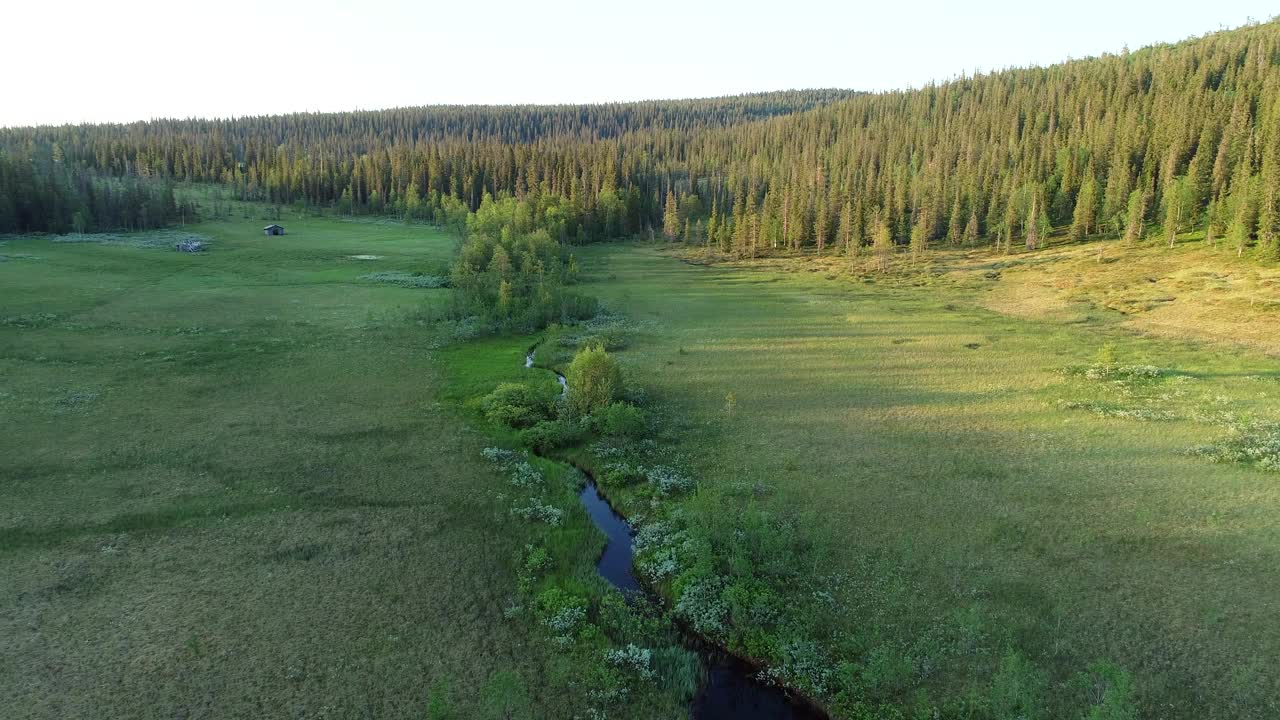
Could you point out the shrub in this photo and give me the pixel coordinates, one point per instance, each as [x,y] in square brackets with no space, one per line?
[1256,444]
[1124,372]
[622,474]
[595,381]
[657,547]
[668,480]
[551,435]
[537,510]
[515,405]
[519,471]
[804,664]
[408,280]
[632,657]
[146,239]
[622,419]
[533,562]
[562,612]
[1017,690]
[700,604]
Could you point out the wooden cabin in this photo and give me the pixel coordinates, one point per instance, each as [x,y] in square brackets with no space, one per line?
[273,230]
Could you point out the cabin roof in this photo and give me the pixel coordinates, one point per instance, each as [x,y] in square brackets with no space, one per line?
[273,226]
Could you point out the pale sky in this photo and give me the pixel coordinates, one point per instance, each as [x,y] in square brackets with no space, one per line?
[120,60]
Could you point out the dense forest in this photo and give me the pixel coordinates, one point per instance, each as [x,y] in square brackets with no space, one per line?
[1163,140]
[43,193]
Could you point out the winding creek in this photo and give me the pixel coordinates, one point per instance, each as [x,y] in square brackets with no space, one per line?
[729,689]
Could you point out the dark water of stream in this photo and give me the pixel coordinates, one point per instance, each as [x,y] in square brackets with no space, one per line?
[730,690]
[614,564]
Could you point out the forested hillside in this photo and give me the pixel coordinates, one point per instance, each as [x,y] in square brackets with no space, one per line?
[1164,139]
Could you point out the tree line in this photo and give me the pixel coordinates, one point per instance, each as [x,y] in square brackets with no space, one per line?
[1156,142]
[44,193]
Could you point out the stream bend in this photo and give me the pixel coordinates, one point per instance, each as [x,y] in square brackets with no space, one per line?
[729,689]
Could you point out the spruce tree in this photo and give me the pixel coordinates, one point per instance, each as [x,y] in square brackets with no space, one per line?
[671,217]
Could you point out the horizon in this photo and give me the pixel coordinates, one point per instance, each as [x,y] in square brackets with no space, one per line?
[239,78]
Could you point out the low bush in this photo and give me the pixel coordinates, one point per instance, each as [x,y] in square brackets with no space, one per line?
[622,474]
[408,280]
[516,406]
[562,613]
[669,481]
[1255,444]
[550,435]
[622,419]
[701,606]
[540,511]
[632,658]
[1017,691]
[150,239]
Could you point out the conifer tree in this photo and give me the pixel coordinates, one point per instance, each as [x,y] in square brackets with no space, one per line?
[882,240]
[821,223]
[1135,217]
[1086,209]
[845,231]
[1035,228]
[670,217]
[920,235]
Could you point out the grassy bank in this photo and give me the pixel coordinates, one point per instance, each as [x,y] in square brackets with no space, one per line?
[968,493]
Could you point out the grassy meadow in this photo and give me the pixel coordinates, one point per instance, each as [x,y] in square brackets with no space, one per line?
[970,482]
[249,481]
[230,487]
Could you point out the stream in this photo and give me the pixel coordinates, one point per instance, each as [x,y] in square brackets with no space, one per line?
[729,689]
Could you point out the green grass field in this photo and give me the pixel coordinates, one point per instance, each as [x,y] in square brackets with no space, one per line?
[952,475]
[229,486]
[248,481]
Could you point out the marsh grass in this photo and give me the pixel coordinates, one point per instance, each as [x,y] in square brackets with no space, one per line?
[407,280]
[604,643]
[1250,443]
[231,484]
[148,239]
[953,508]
